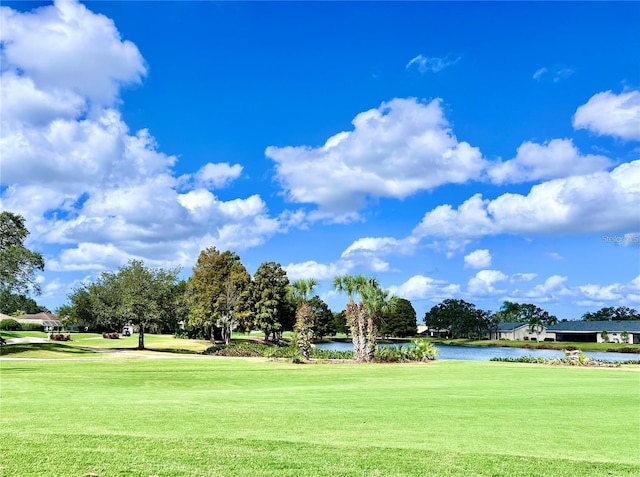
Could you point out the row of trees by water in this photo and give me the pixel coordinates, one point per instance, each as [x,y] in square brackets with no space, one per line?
[221,296]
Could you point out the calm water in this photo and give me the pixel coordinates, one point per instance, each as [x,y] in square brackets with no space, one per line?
[485,353]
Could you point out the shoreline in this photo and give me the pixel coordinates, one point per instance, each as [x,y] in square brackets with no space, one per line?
[554,345]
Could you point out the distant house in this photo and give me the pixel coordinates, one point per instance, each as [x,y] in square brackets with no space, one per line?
[433,332]
[519,331]
[591,331]
[47,320]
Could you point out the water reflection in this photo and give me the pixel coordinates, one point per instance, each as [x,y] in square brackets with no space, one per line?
[485,353]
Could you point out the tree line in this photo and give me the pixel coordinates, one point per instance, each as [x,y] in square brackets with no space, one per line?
[221,296]
[461,319]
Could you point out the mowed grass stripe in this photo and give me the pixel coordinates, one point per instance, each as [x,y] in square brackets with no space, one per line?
[131,456]
[456,414]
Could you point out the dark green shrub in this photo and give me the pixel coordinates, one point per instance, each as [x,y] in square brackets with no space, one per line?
[391,354]
[10,324]
[32,327]
[331,354]
[60,337]
[422,350]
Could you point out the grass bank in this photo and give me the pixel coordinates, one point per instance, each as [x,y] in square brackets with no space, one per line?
[613,347]
[240,417]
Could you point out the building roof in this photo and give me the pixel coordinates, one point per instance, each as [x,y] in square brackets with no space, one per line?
[43,318]
[510,325]
[578,326]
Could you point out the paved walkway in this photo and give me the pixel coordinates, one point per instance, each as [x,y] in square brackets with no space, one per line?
[28,339]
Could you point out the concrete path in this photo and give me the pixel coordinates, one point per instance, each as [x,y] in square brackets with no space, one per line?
[28,339]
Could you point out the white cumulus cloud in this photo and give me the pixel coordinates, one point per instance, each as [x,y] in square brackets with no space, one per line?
[610,114]
[396,150]
[81,178]
[480,258]
[483,282]
[420,287]
[599,202]
[556,158]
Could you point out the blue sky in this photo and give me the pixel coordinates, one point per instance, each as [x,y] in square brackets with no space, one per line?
[482,151]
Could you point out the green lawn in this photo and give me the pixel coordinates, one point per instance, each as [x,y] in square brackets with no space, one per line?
[204,416]
[86,341]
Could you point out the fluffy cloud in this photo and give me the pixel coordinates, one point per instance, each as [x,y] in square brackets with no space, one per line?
[614,294]
[369,246]
[611,114]
[549,290]
[432,64]
[483,282]
[599,202]
[68,47]
[86,183]
[525,277]
[556,158]
[218,175]
[396,150]
[420,287]
[480,258]
[313,269]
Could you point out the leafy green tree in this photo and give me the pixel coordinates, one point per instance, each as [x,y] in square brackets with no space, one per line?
[18,264]
[218,292]
[12,302]
[144,296]
[509,312]
[401,320]
[611,313]
[340,322]
[81,311]
[462,319]
[325,324]
[135,294]
[270,298]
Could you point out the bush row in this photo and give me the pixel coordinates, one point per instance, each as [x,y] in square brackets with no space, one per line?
[576,360]
[111,336]
[420,351]
[252,349]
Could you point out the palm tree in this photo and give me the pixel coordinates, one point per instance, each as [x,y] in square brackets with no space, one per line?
[301,291]
[347,284]
[376,304]
[363,317]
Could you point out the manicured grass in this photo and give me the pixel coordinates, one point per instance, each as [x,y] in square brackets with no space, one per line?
[203,416]
[166,343]
[22,334]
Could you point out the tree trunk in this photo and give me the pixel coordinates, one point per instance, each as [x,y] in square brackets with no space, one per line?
[372,335]
[141,337]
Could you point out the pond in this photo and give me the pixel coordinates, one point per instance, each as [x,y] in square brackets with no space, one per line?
[485,353]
